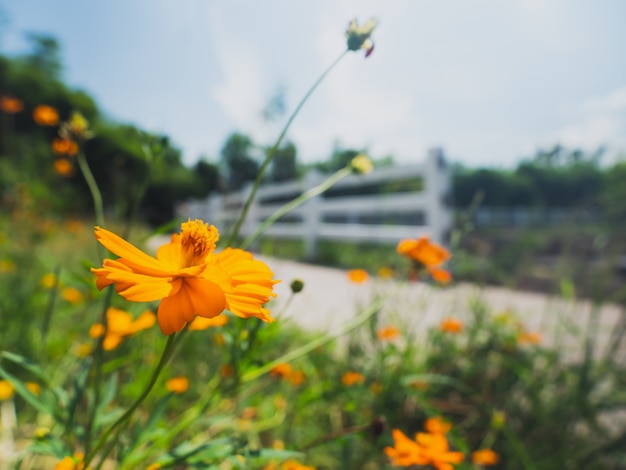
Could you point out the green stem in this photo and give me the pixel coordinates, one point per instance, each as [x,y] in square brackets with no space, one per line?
[316,343]
[126,416]
[93,188]
[98,357]
[272,151]
[291,205]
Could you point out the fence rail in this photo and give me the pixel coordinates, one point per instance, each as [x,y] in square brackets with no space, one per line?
[384,206]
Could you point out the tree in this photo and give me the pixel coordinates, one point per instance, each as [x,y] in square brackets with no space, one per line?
[208,177]
[239,165]
[45,55]
[284,164]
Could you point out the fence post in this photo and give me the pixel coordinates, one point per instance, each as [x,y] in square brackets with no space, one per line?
[311,219]
[438,185]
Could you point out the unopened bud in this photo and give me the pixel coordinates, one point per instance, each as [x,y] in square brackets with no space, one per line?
[361,164]
[296,285]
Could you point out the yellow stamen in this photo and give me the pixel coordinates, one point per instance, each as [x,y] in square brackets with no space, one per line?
[197,240]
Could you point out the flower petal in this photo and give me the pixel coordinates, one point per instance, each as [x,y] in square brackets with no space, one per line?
[195,297]
[134,258]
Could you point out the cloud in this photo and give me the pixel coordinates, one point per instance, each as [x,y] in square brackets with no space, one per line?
[600,120]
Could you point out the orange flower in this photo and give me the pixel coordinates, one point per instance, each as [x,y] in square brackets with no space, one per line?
[45,115]
[388,333]
[437,425]
[11,105]
[485,457]
[188,277]
[423,251]
[33,387]
[283,370]
[177,385]
[71,463]
[72,295]
[358,276]
[440,275]
[451,325]
[351,378]
[120,324]
[435,449]
[296,378]
[63,167]
[527,337]
[227,370]
[405,452]
[64,147]
[201,323]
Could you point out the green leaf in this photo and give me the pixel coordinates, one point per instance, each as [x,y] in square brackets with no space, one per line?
[22,390]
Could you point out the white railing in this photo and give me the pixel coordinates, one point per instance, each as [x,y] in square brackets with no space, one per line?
[384,206]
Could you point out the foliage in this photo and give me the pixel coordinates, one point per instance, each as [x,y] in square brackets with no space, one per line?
[237,160]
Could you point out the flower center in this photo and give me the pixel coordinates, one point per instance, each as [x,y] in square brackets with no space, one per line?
[197,239]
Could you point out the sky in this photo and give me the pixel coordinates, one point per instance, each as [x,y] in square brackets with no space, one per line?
[488,81]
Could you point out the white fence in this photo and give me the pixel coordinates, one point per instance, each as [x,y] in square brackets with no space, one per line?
[384,206]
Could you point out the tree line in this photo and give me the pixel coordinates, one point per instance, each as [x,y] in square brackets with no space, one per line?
[126,159]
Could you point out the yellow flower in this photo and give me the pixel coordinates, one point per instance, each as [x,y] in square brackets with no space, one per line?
[351,378]
[201,323]
[296,378]
[154,466]
[389,333]
[7,266]
[358,37]
[385,273]
[45,115]
[6,390]
[48,280]
[11,105]
[358,276]
[188,277]
[72,295]
[78,125]
[451,325]
[485,457]
[177,385]
[34,388]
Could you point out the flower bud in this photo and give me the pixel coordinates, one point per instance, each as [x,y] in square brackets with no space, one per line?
[296,285]
[361,164]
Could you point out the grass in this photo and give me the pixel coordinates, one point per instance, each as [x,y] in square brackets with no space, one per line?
[536,409]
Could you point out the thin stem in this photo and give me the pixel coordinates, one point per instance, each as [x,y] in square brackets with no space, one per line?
[98,357]
[316,343]
[270,153]
[291,205]
[93,187]
[126,416]
[334,435]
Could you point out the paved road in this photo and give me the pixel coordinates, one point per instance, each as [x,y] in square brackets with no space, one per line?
[329,300]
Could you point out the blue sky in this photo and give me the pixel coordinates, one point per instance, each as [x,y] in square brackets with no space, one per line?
[488,81]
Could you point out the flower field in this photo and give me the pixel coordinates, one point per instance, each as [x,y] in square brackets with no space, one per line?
[114,355]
